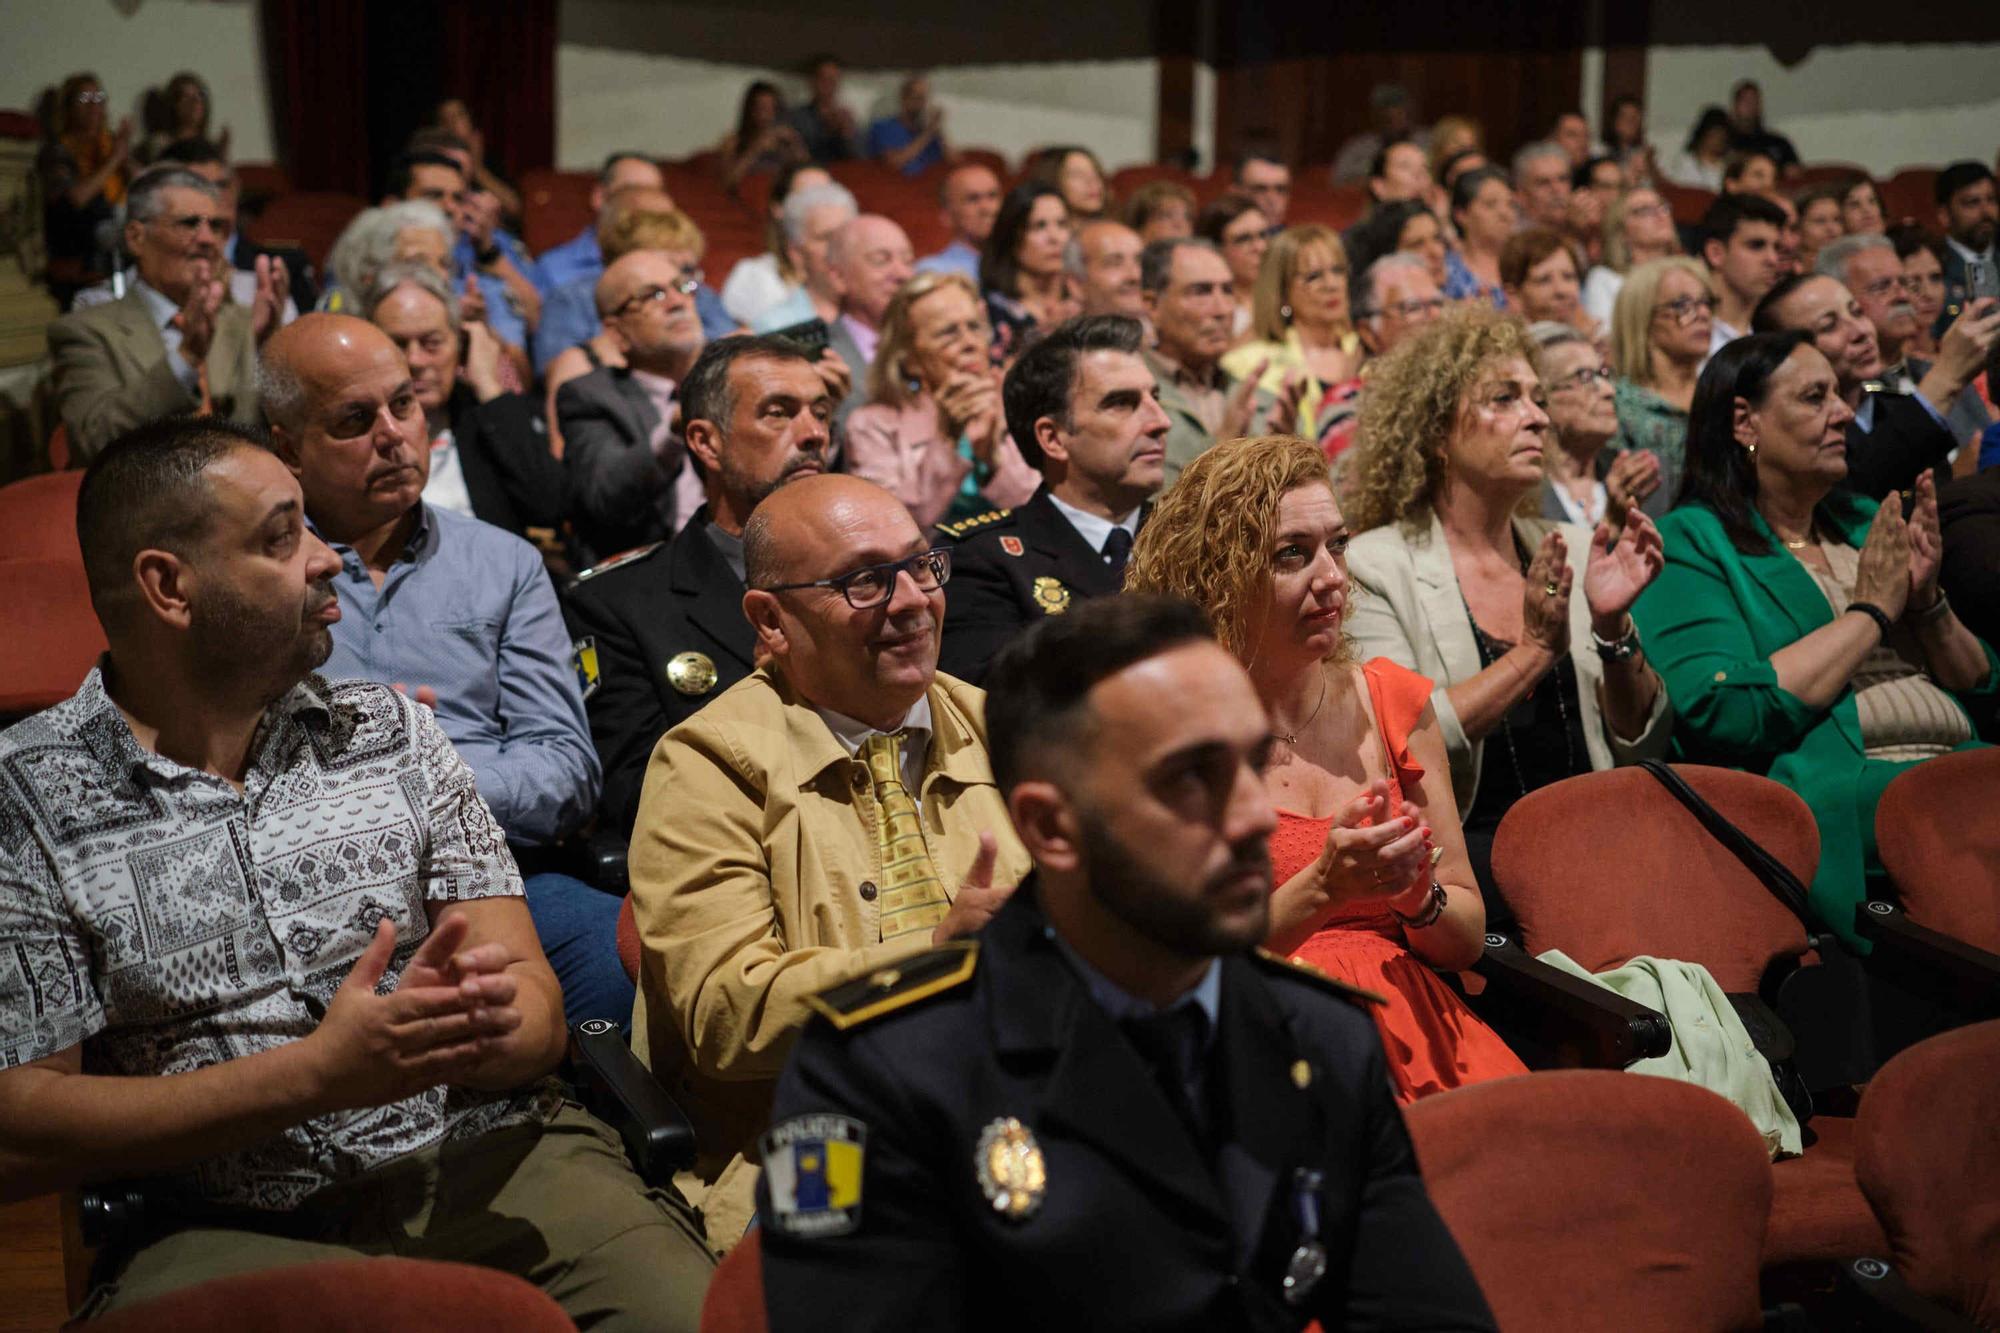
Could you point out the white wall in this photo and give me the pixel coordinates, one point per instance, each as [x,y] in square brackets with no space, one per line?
[1883,107]
[46,40]
[610,99]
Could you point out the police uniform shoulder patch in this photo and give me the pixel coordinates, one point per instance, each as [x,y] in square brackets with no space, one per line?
[813,1166]
[1292,967]
[965,527]
[887,989]
[583,657]
[618,561]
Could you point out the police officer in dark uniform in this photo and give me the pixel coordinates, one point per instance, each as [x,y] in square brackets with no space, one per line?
[1109,1110]
[660,631]
[1083,408]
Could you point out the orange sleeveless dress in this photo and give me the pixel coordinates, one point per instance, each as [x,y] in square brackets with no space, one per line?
[1433,1041]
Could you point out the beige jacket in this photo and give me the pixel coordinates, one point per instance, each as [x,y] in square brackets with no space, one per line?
[1409,610]
[753,865]
[112,373]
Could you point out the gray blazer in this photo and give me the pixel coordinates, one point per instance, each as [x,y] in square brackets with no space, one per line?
[1409,610]
[841,341]
[112,373]
[621,496]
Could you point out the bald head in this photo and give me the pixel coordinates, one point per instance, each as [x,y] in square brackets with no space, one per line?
[870,257]
[641,301]
[808,523]
[300,358]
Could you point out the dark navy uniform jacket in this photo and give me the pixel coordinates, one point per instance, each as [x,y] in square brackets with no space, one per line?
[1134,1228]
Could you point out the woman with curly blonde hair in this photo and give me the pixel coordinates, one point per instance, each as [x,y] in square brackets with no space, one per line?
[1463,582]
[1373,882]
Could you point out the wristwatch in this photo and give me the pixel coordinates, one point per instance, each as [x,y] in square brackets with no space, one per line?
[1433,909]
[1619,649]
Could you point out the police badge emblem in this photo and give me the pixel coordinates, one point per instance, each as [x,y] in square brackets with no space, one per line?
[1050,595]
[1011,1170]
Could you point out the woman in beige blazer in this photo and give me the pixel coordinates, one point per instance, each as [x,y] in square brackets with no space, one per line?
[1521,623]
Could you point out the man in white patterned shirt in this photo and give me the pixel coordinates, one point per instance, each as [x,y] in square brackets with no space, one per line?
[262,946]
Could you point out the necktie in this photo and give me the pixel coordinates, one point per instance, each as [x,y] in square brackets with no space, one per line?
[1172,1046]
[1117,549]
[912,896]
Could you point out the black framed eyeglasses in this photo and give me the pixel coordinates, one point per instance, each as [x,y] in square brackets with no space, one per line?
[873,585]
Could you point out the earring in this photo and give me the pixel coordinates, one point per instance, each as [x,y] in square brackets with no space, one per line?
[1285,313]
[913,385]
[1749,451]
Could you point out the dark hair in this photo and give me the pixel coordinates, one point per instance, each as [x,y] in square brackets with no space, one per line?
[1579,179]
[611,161]
[1958,176]
[1378,234]
[818,58]
[1525,249]
[437,139]
[1261,146]
[705,391]
[406,164]
[1037,688]
[1466,187]
[1738,163]
[1721,475]
[1764,319]
[750,95]
[1444,168]
[1378,165]
[1909,237]
[1156,261]
[193,151]
[1730,211]
[999,270]
[1812,194]
[1042,382]
[1619,103]
[148,491]
[1221,211]
[1711,118]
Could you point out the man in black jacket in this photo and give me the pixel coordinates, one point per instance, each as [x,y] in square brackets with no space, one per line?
[660,631]
[1084,409]
[1110,1102]
[489,449]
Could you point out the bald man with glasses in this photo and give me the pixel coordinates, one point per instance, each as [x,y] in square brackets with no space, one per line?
[832,815]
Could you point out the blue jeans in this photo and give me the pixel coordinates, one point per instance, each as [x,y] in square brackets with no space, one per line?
[578,926]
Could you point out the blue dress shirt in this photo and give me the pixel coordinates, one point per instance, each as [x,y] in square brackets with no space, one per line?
[958,257]
[507,325]
[468,610]
[560,265]
[888,134]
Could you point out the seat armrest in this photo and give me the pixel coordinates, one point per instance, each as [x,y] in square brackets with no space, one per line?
[1890,1305]
[108,1212]
[1554,1020]
[620,1091]
[1961,977]
[605,851]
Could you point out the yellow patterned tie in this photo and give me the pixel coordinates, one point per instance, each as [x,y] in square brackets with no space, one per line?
[912,895]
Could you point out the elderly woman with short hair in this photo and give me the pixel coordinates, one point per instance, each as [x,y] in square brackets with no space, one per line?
[1586,484]
[413,231]
[1521,624]
[1659,339]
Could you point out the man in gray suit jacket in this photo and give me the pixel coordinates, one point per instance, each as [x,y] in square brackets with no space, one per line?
[630,483]
[174,343]
[870,257]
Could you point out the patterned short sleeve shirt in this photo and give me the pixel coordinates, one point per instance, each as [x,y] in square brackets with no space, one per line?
[166,921]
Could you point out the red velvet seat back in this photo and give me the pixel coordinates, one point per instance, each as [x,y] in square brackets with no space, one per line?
[1589,1198]
[1609,865]
[628,939]
[1942,848]
[1927,1152]
[735,1300]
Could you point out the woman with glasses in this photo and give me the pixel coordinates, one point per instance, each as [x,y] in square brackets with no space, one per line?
[1238,228]
[933,432]
[84,167]
[1521,624]
[1587,483]
[1638,228]
[1659,339]
[1302,329]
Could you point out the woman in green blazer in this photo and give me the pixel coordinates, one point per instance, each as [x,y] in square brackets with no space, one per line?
[1800,630]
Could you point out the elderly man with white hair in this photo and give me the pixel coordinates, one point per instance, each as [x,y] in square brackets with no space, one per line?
[1395,297]
[1541,184]
[810,218]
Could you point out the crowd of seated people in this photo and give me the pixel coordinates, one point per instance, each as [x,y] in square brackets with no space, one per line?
[501,640]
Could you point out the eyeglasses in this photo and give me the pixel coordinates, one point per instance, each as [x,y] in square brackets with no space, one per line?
[1583,378]
[1414,309]
[873,585]
[977,329]
[687,284]
[1882,287]
[1684,308]
[89,99]
[1646,211]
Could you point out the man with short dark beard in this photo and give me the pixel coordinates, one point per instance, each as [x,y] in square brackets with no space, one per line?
[1112,1095]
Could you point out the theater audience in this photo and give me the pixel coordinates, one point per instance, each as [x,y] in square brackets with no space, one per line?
[1699,163]
[831,814]
[1078,175]
[1395,297]
[1081,409]
[1638,228]
[970,199]
[1371,882]
[933,432]
[622,443]
[581,256]
[1302,328]
[1103,265]
[1747,132]
[1660,336]
[1820,223]
[1263,177]
[486,252]
[1860,207]
[912,140]
[1586,482]
[1234,225]
[1922,255]
[1798,627]
[759,282]
[1021,271]
[1969,215]
[1541,185]
[1482,211]
[1161,211]
[1539,274]
[824,123]
[354,1000]
[83,166]
[812,217]
[489,452]
[453,610]
[1740,235]
[764,142]
[1892,437]
[1538,673]
[173,343]
[660,632]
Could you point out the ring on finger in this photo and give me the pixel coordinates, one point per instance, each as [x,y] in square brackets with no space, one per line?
[1552,587]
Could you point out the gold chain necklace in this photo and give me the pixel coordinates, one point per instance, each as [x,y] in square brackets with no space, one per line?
[1293,739]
